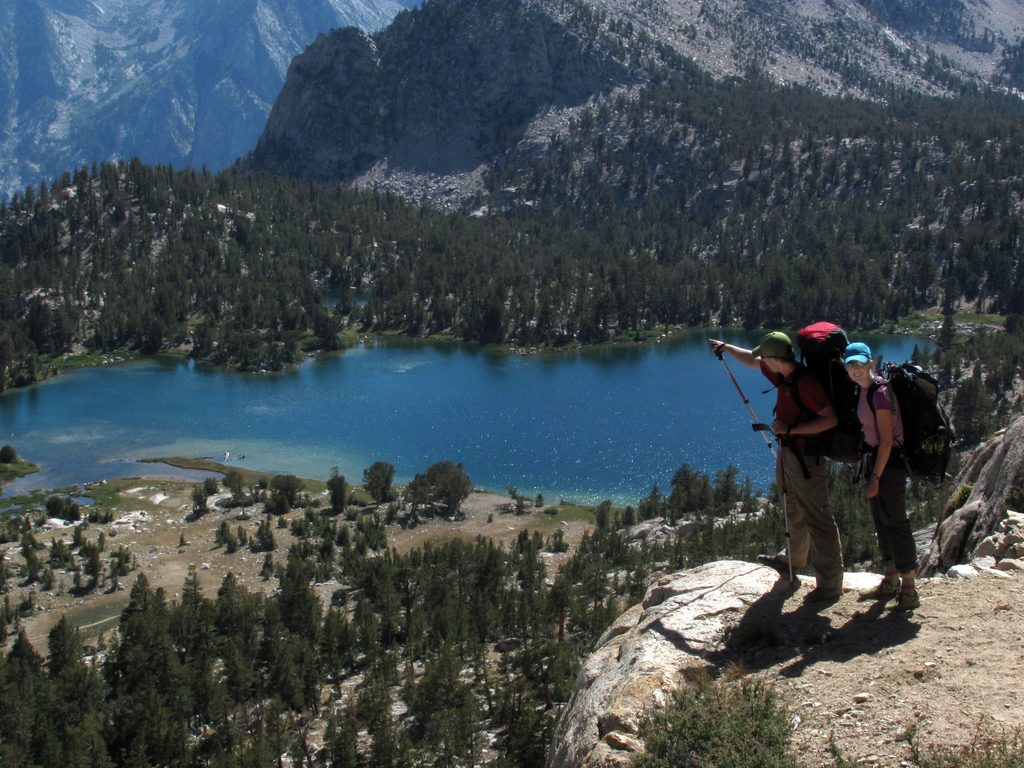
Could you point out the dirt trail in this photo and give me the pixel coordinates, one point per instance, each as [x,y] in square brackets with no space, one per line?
[862,678]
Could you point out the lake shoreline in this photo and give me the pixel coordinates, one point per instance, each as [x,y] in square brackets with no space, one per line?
[923,326]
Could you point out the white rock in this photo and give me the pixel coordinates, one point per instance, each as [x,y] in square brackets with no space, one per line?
[648,651]
[860,581]
[995,572]
[962,572]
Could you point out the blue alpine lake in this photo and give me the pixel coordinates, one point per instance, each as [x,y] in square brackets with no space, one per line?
[603,423]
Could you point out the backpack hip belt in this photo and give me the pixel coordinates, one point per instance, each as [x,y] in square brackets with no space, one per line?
[804,446]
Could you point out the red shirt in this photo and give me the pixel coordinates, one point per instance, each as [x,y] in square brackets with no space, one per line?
[812,395]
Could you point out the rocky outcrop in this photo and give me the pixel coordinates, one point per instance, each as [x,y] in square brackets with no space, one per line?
[440,92]
[457,92]
[707,618]
[657,530]
[994,473]
[679,629]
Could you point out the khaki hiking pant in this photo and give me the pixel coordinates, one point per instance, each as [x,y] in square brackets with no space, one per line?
[812,529]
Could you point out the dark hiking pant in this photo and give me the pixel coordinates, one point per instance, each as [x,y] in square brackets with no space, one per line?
[889,509]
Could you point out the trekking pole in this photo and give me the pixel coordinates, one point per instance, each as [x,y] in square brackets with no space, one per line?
[756,423]
[765,430]
[785,500]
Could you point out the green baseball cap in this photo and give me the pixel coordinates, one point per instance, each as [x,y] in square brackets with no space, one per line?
[774,344]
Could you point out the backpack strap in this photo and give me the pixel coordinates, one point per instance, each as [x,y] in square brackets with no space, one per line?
[897,449]
[794,389]
[875,386]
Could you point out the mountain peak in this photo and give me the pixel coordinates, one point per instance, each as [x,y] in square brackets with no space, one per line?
[431,105]
[185,82]
[440,92]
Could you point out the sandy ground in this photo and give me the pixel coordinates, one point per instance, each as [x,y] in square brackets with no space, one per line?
[864,679]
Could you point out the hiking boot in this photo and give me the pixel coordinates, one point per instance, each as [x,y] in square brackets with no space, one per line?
[823,595]
[907,600]
[778,562]
[886,590]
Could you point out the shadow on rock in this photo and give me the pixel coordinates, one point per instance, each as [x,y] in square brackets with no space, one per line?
[772,632]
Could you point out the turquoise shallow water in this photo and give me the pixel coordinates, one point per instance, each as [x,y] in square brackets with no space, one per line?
[602,423]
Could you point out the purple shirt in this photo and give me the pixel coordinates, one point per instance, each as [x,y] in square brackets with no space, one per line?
[883,401]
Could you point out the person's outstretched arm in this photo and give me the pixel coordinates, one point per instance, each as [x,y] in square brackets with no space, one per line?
[744,356]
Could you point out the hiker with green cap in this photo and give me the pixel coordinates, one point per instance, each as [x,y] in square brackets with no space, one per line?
[879,414]
[801,470]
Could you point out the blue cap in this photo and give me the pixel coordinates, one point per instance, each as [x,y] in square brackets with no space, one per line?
[857,352]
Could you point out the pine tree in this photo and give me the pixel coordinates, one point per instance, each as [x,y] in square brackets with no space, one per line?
[338,489]
[340,741]
[446,711]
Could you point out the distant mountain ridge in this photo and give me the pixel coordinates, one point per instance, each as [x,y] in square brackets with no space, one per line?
[442,89]
[186,82]
[435,104]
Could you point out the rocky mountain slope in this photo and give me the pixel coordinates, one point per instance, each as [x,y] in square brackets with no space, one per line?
[185,82]
[447,100]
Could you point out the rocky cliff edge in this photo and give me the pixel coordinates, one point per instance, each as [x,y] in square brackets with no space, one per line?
[853,675]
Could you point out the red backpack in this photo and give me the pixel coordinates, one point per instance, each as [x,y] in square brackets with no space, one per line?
[821,350]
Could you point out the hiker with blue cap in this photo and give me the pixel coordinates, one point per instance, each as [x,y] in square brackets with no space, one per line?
[801,473]
[879,415]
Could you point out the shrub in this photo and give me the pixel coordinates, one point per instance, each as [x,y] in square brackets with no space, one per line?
[719,724]
[63,508]
[988,749]
[960,496]
[8,455]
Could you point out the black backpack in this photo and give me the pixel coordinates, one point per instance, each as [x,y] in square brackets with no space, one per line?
[821,350]
[928,433]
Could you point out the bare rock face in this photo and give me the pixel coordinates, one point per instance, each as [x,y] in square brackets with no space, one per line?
[448,95]
[657,530]
[647,653]
[184,82]
[435,94]
[995,474]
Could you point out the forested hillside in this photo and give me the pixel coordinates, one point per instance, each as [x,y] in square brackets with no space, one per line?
[792,203]
[872,210]
[456,654]
[457,93]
